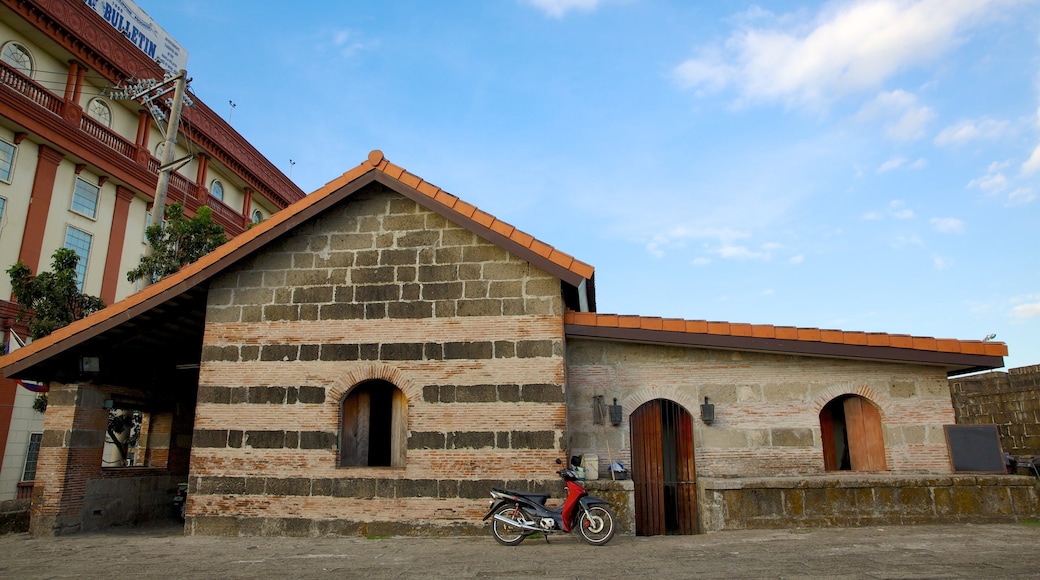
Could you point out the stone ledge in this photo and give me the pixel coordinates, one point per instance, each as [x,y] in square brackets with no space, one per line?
[865,480]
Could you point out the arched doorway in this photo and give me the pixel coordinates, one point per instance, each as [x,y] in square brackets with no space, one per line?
[663,469]
[852,437]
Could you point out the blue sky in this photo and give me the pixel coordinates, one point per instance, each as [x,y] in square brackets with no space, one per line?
[861,164]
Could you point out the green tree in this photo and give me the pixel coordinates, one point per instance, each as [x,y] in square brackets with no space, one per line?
[51,300]
[182,241]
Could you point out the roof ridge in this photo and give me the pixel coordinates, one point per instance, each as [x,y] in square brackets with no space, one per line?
[472,212]
[803,334]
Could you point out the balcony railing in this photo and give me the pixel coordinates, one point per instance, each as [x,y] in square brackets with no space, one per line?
[107,136]
[36,93]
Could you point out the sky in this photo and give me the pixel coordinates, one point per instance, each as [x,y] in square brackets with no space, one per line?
[863,165]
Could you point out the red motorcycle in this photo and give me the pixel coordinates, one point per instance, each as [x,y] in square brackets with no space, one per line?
[518,514]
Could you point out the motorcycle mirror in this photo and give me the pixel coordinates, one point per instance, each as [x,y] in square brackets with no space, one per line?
[559,461]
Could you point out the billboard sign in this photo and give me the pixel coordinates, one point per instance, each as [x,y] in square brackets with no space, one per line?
[148,36]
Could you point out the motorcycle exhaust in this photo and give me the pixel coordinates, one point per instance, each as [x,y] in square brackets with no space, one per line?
[517,524]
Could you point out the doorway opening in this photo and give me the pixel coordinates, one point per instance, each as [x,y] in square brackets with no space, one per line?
[852,435]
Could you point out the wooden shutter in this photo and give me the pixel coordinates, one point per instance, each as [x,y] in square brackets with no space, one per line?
[647,469]
[398,429]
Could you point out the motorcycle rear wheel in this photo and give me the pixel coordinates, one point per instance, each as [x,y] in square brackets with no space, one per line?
[596,526]
[504,533]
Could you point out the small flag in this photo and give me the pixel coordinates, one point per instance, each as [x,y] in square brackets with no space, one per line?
[34,386]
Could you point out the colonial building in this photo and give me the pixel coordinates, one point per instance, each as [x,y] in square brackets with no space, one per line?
[78,169]
[376,357]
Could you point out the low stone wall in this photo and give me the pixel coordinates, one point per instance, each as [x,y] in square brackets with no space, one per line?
[867,500]
[14,516]
[1010,400]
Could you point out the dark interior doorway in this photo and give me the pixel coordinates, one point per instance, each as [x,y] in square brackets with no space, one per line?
[663,469]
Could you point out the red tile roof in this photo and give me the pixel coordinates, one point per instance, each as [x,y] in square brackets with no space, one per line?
[961,355]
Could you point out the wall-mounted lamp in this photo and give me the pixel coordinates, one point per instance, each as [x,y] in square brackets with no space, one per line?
[615,414]
[707,412]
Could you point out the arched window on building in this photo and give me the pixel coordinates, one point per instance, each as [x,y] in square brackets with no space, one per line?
[216,189]
[373,426]
[100,112]
[19,57]
[257,216]
[853,438]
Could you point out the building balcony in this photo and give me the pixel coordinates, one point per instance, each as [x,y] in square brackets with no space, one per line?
[64,125]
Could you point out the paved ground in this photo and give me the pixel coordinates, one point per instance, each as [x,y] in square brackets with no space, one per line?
[947,551]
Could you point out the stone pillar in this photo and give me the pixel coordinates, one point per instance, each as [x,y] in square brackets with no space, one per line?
[70,457]
[247,202]
[39,207]
[142,153]
[114,256]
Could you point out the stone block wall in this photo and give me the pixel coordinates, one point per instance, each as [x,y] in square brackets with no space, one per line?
[375,288]
[864,500]
[766,406]
[1009,400]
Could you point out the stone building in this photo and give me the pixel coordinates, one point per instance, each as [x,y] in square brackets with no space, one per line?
[1010,400]
[378,356]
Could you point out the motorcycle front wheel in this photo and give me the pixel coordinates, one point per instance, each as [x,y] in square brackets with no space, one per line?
[507,534]
[596,526]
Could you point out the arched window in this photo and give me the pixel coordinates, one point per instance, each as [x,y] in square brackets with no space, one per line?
[159,148]
[19,57]
[257,216]
[99,110]
[853,439]
[373,426]
[216,189]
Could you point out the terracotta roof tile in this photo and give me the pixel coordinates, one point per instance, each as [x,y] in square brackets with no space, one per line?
[763,331]
[391,170]
[558,257]
[446,198]
[410,180]
[428,189]
[522,238]
[835,336]
[501,227]
[871,339]
[483,218]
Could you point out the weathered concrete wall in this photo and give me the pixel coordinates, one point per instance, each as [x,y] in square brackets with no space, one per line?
[1009,400]
[848,501]
[766,406]
[375,288]
[14,516]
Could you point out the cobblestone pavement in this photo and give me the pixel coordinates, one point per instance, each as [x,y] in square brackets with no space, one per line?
[942,551]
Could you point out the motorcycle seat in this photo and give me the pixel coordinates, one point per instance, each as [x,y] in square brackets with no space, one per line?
[537,497]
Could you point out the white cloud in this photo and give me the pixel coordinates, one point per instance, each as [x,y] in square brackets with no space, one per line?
[767,292]
[905,119]
[872,216]
[1033,163]
[560,8]
[348,44]
[891,164]
[1026,310]
[967,131]
[948,225]
[919,164]
[846,48]
[1021,196]
[904,214]
[940,262]
[990,183]
[742,253]
[796,259]
[701,261]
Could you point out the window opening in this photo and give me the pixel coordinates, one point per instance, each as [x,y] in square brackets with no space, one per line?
[374,426]
[99,110]
[257,216]
[85,198]
[3,204]
[216,189]
[79,241]
[19,57]
[6,160]
[32,456]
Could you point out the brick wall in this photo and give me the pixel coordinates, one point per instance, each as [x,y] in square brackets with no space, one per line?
[375,288]
[766,406]
[1009,400]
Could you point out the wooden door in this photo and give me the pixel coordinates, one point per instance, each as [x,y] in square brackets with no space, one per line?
[866,439]
[663,469]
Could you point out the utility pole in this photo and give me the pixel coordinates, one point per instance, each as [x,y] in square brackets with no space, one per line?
[167,164]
